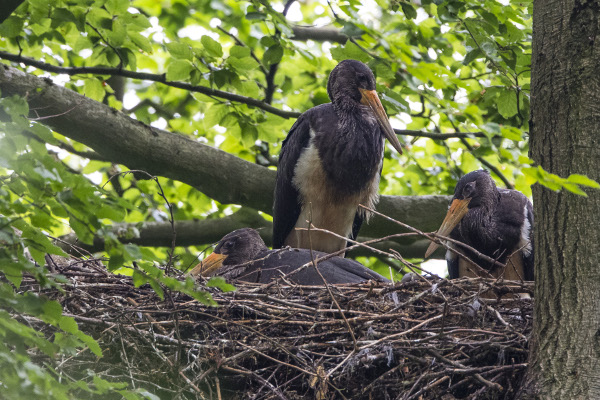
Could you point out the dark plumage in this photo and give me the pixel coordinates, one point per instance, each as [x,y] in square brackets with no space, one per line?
[331,161]
[242,255]
[495,222]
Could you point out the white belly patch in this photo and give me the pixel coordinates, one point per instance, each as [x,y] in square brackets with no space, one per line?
[320,205]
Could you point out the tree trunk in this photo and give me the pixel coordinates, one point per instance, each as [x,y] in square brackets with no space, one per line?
[565,120]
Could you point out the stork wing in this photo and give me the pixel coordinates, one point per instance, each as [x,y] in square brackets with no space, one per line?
[287,207]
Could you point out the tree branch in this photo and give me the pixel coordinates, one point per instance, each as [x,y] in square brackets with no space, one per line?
[160,78]
[303,33]
[208,231]
[7,7]
[490,166]
[219,175]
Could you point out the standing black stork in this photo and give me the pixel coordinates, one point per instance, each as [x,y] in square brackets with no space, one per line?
[331,162]
[243,256]
[496,222]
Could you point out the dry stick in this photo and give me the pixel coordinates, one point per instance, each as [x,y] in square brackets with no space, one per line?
[459,365]
[312,257]
[125,356]
[259,378]
[283,348]
[354,347]
[395,335]
[275,370]
[277,361]
[164,358]
[429,386]
[218,388]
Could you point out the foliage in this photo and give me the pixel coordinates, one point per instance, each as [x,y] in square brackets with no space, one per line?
[444,66]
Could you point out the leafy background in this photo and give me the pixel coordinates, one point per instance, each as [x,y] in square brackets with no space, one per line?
[442,67]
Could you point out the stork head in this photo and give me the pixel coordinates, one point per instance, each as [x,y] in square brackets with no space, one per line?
[235,248]
[352,83]
[475,189]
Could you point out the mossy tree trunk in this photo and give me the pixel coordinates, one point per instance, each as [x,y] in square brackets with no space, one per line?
[565,139]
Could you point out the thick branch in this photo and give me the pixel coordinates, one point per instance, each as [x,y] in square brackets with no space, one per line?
[219,175]
[202,232]
[7,7]
[160,78]
[123,140]
[304,33]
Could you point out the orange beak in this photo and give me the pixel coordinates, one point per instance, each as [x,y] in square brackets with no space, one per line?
[370,98]
[209,265]
[458,209]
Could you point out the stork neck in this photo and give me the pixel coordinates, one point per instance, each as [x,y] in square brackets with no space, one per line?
[346,105]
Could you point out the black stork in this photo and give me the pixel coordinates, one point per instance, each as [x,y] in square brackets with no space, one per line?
[496,222]
[243,256]
[331,162]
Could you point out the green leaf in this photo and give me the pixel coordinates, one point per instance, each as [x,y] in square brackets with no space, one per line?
[11,27]
[212,47]
[93,89]
[179,70]
[256,16]
[507,103]
[106,211]
[351,30]
[141,41]
[243,65]
[511,133]
[349,51]
[68,324]
[583,180]
[219,282]
[239,52]
[116,7]
[12,271]
[574,189]
[181,51]
[273,55]
[215,114]
[408,10]
[90,343]
[472,55]
[52,312]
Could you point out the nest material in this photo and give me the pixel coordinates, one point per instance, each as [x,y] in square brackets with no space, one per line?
[424,339]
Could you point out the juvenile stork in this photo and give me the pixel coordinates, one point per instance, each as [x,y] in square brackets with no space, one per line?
[331,162]
[243,256]
[496,222]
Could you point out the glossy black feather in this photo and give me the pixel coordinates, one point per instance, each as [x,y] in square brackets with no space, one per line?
[249,260]
[349,142]
[287,207]
[494,223]
[452,261]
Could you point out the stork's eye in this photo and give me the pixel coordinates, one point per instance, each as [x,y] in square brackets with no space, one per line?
[363,80]
[228,245]
[469,190]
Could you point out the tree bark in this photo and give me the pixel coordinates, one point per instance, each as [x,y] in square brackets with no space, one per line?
[303,33]
[7,7]
[565,118]
[219,175]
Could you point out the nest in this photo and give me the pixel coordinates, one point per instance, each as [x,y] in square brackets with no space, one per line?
[423,339]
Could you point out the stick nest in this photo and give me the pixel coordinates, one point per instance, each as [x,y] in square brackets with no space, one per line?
[423,339]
